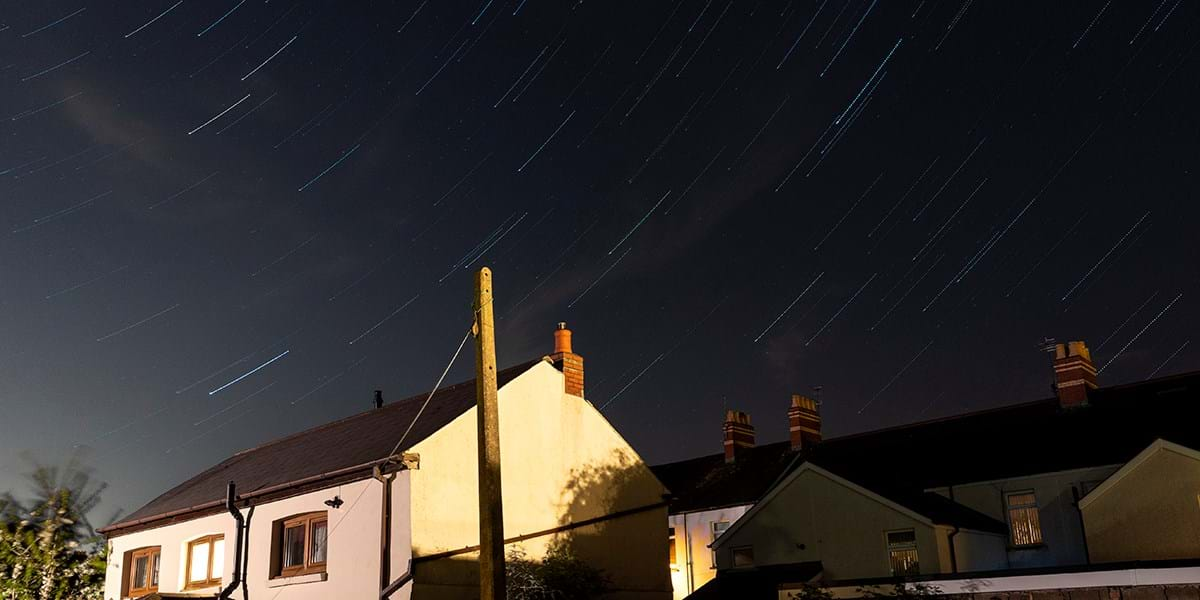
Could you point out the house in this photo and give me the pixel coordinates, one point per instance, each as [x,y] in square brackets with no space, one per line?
[710,492]
[993,491]
[357,509]
[1149,509]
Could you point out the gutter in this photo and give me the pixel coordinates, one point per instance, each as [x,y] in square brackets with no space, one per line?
[405,460]
[230,497]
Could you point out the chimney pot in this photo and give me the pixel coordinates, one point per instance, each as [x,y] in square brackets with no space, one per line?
[739,433]
[378,398]
[567,361]
[804,422]
[1074,374]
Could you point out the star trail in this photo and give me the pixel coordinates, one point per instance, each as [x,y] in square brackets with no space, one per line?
[223,222]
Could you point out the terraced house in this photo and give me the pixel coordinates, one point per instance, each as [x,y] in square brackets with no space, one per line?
[345,511]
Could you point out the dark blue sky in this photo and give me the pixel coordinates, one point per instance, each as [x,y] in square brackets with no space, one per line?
[729,202]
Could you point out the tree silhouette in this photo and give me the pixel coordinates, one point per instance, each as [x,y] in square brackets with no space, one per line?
[48,547]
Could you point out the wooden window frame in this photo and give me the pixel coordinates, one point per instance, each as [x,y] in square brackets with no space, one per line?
[307,521]
[210,581]
[151,553]
[902,547]
[1036,508]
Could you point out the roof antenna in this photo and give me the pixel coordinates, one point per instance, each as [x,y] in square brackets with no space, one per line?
[378,398]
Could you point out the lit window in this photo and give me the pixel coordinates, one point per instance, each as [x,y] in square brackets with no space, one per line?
[205,560]
[671,546]
[143,571]
[743,556]
[302,545]
[902,552]
[718,528]
[1023,521]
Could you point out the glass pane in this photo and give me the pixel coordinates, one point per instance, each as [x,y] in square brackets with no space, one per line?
[320,543]
[293,546]
[1022,500]
[141,567]
[901,537]
[1026,528]
[218,561]
[199,564]
[904,562]
[154,570]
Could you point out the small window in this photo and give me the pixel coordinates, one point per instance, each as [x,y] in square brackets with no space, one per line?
[205,560]
[301,545]
[718,528]
[143,571]
[671,546]
[743,556]
[902,552]
[1024,524]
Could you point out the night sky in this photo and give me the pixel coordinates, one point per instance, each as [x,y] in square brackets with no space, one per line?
[225,221]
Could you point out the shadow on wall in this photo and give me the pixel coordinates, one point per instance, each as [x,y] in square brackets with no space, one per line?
[611,518]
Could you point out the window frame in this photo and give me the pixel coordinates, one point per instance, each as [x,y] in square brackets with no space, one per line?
[309,566]
[902,547]
[672,549]
[746,553]
[1035,526]
[716,534]
[210,581]
[153,556]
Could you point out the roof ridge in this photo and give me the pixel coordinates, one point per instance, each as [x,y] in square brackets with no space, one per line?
[392,406]
[243,454]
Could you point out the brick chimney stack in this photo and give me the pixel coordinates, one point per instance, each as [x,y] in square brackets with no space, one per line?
[1074,374]
[804,422]
[739,433]
[568,362]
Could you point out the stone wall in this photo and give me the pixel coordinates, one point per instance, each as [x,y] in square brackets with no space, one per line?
[1140,592]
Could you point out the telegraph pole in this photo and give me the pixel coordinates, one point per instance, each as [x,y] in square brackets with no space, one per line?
[491,510]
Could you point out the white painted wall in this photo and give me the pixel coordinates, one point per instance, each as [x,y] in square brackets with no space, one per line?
[1062,531]
[692,566]
[353,564]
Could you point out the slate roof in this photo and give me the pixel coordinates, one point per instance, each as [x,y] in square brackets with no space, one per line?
[354,441]
[708,482]
[1021,439]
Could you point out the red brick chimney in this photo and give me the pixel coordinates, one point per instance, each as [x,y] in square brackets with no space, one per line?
[739,433]
[1074,374]
[804,422]
[568,362]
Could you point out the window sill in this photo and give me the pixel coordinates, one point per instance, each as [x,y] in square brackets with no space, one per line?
[297,579]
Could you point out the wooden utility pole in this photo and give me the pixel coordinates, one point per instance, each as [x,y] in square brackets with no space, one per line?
[491,509]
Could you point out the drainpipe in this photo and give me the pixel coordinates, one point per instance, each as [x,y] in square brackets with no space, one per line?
[385,529]
[950,538]
[1087,555]
[687,544]
[246,555]
[230,496]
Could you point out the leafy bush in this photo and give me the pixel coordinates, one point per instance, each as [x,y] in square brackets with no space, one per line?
[48,549]
[559,576]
